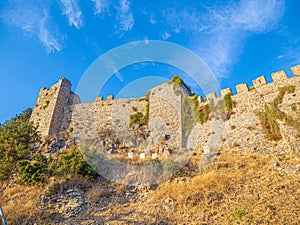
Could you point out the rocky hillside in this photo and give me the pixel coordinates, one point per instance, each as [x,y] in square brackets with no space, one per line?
[237,188]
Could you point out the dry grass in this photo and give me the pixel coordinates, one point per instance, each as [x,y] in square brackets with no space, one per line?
[19,204]
[237,188]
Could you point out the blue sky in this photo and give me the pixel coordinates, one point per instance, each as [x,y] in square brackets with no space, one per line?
[43,40]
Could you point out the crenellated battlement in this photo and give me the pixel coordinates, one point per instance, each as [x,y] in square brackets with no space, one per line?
[296,70]
[242,88]
[260,81]
[226,91]
[279,78]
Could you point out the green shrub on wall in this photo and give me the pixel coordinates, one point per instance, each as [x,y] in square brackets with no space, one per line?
[46,104]
[204,113]
[139,118]
[229,103]
[136,118]
[177,80]
[189,113]
[272,113]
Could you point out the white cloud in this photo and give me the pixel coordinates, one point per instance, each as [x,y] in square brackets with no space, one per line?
[289,56]
[101,6]
[33,20]
[48,40]
[71,9]
[152,19]
[165,35]
[219,33]
[125,16]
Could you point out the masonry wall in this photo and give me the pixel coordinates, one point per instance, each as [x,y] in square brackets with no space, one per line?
[82,125]
[243,130]
[48,111]
[58,109]
[115,113]
[165,114]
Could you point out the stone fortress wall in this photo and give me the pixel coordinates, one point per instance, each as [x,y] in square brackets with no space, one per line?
[59,109]
[243,130]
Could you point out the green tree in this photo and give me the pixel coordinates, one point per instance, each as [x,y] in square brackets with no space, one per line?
[16,139]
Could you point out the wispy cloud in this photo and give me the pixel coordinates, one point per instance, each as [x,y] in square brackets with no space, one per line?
[165,35]
[33,20]
[289,56]
[101,6]
[125,16]
[219,33]
[50,42]
[71,9]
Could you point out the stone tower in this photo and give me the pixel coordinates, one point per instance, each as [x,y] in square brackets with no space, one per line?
[48,111]
[165,116]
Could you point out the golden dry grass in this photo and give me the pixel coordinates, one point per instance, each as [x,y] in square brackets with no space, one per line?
[19,204]
[237,188]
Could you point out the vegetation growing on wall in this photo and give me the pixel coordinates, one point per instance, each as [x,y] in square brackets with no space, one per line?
[204,112]
[272,113]
[135,118]
[229,103]
[177,80]
[46,104]
[146,117]
[189,113]
[139,118]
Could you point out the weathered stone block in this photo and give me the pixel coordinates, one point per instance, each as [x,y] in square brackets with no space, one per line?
[226,91]
[211,95]
[110,97]
[240,88]
[260,81]
[279,76]
[100,98]
[296,70]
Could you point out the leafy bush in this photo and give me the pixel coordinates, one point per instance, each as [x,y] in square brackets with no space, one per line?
[136,118]
[74,162]
[34,171]
[16,138]
[139,118]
